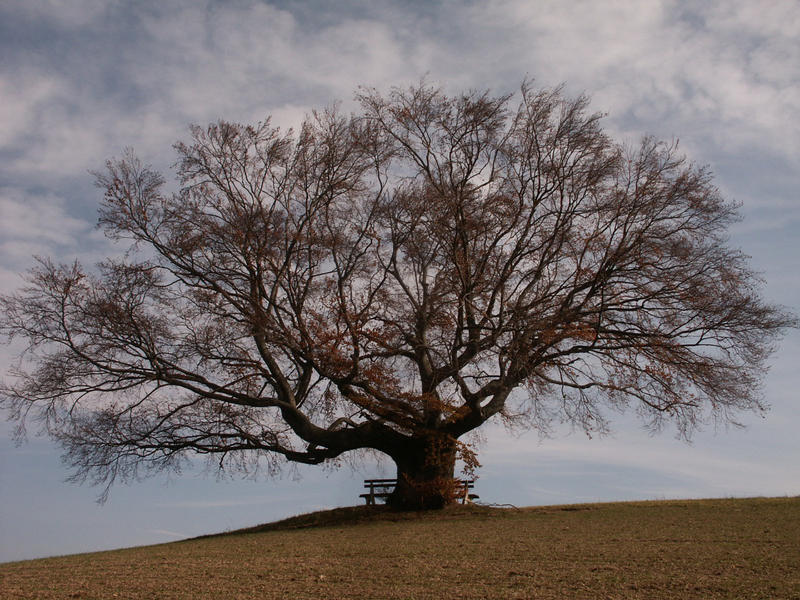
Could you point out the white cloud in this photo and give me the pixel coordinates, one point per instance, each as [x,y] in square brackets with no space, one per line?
[55,127]
[65,13]
[710,75]
[37,225]
[22,100]
[726,70]
[234,61]
[238,61]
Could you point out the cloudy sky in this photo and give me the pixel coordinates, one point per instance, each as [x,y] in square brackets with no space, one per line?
[82,79]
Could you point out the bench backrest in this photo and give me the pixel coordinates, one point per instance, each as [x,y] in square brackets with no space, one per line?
[369,483]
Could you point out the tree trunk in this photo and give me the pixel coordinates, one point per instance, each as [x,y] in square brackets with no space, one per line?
[425,474]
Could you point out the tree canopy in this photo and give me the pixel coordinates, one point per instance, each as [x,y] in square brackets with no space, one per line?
[390,281]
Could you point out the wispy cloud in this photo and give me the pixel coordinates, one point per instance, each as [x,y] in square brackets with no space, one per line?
[168,533]
[220,503]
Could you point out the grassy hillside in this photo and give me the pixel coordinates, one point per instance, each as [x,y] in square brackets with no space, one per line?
[708,549]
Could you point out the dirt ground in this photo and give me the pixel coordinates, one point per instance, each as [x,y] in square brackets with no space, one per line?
[709,549]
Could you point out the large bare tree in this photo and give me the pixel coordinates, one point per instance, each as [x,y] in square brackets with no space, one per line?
[390,281]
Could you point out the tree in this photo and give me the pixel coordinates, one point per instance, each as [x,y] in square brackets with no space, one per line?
[389,282]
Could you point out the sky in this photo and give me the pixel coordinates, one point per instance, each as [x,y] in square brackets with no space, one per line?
[80,80]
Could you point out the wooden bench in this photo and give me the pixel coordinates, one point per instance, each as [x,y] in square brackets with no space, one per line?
[383,488]
[378,488]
